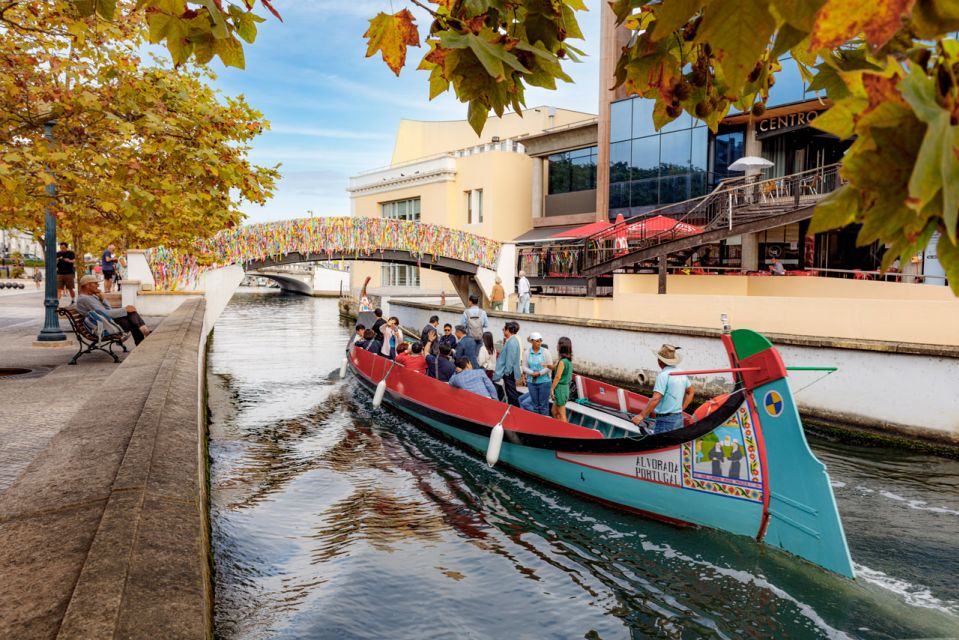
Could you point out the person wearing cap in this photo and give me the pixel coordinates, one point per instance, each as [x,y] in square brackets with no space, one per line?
[537,363]
[90,299]
[523,291]
[671,394]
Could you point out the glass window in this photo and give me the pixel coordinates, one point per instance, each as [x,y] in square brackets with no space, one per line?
[643,117]
[674,189]
[699,156]
[583,173]
[558,173]
[400,275]
[474,206]
[674,153]
[620,120]
[644,192]
[645,158]
[619,162]
[727,148]
[619,198]
[401,209]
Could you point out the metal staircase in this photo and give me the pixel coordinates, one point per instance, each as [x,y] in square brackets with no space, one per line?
[731,210]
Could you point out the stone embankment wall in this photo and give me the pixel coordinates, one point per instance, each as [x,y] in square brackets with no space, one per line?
[105,535]
[895,388]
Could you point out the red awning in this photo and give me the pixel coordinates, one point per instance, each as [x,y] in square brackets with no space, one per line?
[583,231]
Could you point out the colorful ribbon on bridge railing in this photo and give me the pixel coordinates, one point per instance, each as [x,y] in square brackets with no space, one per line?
[324,237]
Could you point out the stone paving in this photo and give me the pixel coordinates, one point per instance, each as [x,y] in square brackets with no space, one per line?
[35,407]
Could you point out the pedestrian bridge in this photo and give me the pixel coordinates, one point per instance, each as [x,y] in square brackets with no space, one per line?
[470,259]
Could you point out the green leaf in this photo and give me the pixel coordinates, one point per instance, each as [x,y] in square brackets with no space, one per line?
[672,15]
[107,9]
[936,167]
[840,118]
[947,250]
[799,14]
[740,30]
[835,211]
[477,115]
[246,27]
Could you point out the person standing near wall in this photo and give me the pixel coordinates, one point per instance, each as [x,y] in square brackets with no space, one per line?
[523,290]
[498,295]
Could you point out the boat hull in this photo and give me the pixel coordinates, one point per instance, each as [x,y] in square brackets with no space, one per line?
[649,483]
[722,470]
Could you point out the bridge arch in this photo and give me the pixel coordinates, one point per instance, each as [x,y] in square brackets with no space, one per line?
[265,245]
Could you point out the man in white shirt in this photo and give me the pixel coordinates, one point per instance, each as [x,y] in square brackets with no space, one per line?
[523,289]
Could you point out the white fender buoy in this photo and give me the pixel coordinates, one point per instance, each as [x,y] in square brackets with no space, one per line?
[621,396]
[495,442]
[343,369]
[379,393]
[580,387]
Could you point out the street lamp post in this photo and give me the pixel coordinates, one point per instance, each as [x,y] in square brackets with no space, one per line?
[51,331]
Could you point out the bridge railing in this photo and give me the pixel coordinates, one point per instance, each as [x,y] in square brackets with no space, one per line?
[741,202]
[320,238]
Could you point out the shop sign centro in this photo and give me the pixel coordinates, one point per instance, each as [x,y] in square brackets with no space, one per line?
[778,124]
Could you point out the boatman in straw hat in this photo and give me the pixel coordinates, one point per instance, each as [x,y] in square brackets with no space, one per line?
[671,394]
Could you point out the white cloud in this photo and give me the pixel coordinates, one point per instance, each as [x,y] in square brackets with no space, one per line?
[317,132]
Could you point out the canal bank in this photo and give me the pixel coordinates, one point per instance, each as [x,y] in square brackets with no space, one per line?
[105,532]
[889,388]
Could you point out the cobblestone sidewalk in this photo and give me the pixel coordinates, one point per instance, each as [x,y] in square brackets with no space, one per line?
[34,407]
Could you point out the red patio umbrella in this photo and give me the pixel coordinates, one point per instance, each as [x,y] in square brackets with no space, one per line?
[656,225]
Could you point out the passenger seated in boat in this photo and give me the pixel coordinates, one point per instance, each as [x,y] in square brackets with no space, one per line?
[373,343]
[441,366]
[357,338]
[413,358]
[448,337]
[465,348]
[470,379]
[671,394]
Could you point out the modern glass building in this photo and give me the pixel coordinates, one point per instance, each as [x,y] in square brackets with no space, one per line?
[649,169]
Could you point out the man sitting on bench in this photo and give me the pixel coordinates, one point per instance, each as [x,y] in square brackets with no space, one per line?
[91,299]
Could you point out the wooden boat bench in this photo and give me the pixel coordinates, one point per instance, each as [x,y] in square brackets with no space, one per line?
[88,341]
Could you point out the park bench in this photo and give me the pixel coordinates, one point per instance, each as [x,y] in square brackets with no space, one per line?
[88,341]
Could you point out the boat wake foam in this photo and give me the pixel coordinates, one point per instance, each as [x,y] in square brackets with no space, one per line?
[913,594]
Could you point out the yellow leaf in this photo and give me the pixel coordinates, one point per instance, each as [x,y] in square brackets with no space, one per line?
[391,35]
[839,21]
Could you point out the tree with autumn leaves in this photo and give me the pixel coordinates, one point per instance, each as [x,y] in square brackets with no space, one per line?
[142,154]
[887,69]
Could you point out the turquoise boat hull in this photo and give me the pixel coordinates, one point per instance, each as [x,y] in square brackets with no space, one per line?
[746,469]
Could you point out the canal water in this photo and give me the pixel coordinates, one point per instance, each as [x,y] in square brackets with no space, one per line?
[334,520]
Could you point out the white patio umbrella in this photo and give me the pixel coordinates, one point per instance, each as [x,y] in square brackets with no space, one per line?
[750,163]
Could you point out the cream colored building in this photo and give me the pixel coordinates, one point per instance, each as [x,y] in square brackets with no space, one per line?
[443,173]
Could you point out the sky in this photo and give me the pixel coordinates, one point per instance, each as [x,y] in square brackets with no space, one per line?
[333,112]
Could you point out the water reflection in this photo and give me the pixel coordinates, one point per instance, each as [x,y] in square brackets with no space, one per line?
[331,519]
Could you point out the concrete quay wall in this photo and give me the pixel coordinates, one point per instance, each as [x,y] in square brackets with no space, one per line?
[896,388]
[105,534]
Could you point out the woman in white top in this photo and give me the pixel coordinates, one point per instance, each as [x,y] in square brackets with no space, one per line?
[486,354]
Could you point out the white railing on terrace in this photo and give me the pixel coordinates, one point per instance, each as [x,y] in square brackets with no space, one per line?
[508,145]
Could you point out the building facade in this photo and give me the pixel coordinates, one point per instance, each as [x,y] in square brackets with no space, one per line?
[644,169]
[442,173]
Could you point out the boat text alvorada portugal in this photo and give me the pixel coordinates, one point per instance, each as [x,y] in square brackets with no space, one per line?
[741,462]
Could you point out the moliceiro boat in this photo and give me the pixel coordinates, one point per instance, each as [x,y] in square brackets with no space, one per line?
[740,464]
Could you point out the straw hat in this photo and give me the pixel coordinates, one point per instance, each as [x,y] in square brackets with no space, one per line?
[667,353]
[85,280]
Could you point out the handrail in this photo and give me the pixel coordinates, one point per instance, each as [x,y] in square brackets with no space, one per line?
[776,195]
